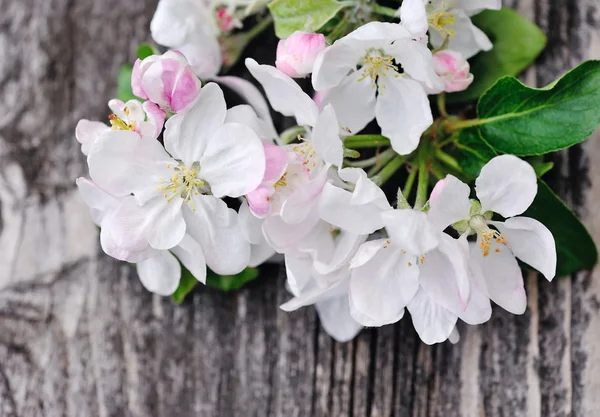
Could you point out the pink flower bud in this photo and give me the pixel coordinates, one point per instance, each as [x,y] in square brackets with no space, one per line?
[167,80]
[453,68]
[296,55]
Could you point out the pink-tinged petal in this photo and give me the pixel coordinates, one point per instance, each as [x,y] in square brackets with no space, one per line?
[185,91]
[136,81]
[160,274]
[449,202]
[454,69]
[111,248]
[276,159]
[87,132]
[303,201]
[259,203]
[296,55]
[156,119]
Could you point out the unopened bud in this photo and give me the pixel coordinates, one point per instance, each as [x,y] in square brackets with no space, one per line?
[296,55]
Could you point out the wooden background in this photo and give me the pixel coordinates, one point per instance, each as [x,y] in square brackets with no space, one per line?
[79,336]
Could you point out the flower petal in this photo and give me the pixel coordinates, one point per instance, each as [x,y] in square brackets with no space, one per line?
[503,277]
[87,132]
[96,198]
[506,185]
[299,272]
[245,115]
[479,308]
[335,317]
[250,225]
[187,134]
[433,323]
[334,63]
[414,17]
[410,230]
[191,256]
[215,227]
[326,137]
[160,274]
[233,162]
[403,113]
[284,94]
[284,237]
[531,242]
[260,253]
[416,61]
[451,203]
[353,101]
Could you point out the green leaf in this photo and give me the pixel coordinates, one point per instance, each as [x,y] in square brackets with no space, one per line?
[306,15]
[186,285]
[231,282]
[540,166]
[517,42]
[575,247]
[527,121]
[124,92]
[472,152]
[145,50]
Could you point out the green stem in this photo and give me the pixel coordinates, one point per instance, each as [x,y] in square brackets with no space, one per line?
[423,185]
[384,11]
[448,160]
[381,161]
[258,29]
[441,103]
[463,124]
[366,141]
[389,170]
[412,174]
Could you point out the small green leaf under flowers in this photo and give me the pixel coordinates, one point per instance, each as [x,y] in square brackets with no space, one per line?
[575,247]
[524,121]
[472,152]
[145,50]
[187,283]
[305,15]
[124,92]
[517,42]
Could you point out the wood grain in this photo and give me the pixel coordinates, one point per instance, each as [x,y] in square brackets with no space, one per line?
[79,336]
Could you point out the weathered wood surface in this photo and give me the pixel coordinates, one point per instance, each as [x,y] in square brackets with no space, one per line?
[80,337]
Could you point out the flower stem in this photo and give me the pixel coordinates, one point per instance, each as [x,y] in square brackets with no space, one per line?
[258,29]
[441,103]
[389,170]
[462,124]
[381,161]
[366,141]
[384,11]
[423,184]
[410,182]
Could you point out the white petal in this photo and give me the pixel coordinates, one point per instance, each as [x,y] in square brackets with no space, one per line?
[233,162]
[303,201]
[190,255]
[531,242]
[121,162]
[503,277]
[376,32]
[334,63]
[414,17]
[252,95]
[160,274]
[367,251]
[299,272]
[111,248]
[260,253]
[353,101]
[245,115]
[479,308]
[215,227]
[95,197]
[346,246]
[506,185]
[203,53]
[87,132]
[454,337]
[326,137]
[433,323]
[250,225]
[475,6]
[451,204]
[403,113]
[416,61]
[466,39]
[335,318]
[187,134]
[284,236]
[382,287]
[284,94]
[410,230]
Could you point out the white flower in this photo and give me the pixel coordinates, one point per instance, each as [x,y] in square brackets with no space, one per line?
[179,192]
[159,271]
[321,277]
[448,19]
[191,27]
[394,71]
[145,119]
[507,186]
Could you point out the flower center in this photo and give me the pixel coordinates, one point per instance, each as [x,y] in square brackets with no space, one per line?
[306,151]
[479,225]
[376,65]
[119,124]
[183,183]
[441,19]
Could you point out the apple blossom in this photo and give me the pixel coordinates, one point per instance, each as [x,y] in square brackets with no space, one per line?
[454,69]
[448,21]
[390,84]
[179,192]
[296,55]
[166,80]
[507,186]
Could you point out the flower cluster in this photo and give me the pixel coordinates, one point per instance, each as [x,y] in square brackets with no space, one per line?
[178,179]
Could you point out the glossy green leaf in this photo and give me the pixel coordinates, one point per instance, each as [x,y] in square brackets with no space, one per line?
[305,15]
[231,282]
[575,247]
[517,42]
[145,50]
[472,152]
[527,121]
[124,92]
